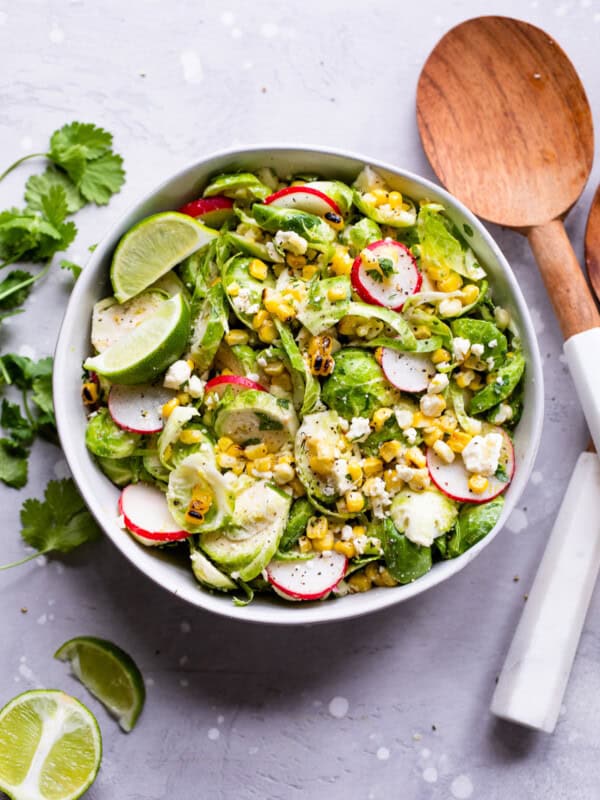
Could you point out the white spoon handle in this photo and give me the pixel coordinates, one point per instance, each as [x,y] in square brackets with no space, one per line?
[583,357]
[535,674]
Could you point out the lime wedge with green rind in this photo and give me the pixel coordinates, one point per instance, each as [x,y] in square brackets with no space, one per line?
[109,674]
[144,352]
[153,247]
[50,747]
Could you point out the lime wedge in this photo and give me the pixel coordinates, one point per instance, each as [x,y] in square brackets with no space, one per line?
[144,352]
[153,247]
[50,747]
[109,674]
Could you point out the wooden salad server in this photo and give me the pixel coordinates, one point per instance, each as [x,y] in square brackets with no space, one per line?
[507,127]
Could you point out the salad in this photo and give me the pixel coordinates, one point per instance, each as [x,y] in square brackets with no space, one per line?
[304,385]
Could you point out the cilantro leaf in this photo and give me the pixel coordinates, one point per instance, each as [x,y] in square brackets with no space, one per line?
[24,234]
[33,378]
[76,270]
[42,385]
[15,424]
[375,275]
[102,178]
[54,205]
[91,141]
[13,463]
[39,185]
[17,370]
[387,266]
[15,288]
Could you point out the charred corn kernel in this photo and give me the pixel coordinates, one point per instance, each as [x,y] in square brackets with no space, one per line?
[458,440]
[420,420]
[469,294]
[225,461]
[432,435]
[372,466]
[274,368]
[325,543]
[283,473]
[384,578]
[254,451]
[347,325]
[295,261]
[304,544]
[393,482]
[355,471]
[319,351]
[450,284]
[267,332]
[169,407]
[224,443]
[422,332]
[416,457]
[502,317]
[439,356]
[478,483]
[283,381]
[447,423]
[391,450]
[264,464]
[334,220]
[380,417]
[297,487]
[233,289]
[258,269]
[309,271]
[282,310]
[354,501]
[237,336]
[322,465]
[380,196]
[336,293]
[358,582]
[464,377]
[259,319]
[317,527]
[183,398]
[395,200]
[190,436]
[345,548]
[199,504]
[441,449]
[432,405]
[419,481]
[89,393]
[341,263]
[359,530]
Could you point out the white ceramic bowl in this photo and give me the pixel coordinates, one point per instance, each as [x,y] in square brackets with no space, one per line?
[73,347]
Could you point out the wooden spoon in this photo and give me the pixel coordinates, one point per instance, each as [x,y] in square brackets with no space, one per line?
[507,127]
[592,244]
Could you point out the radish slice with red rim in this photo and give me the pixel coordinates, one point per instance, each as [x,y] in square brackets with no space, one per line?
[237,382]
[453,479]
[307,579]
[147,517]
[303,198]
[391,283]
[409,372]
[213,211]
[138,408]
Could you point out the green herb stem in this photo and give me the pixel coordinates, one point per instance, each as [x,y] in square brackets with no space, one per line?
[23,560]
[19,161]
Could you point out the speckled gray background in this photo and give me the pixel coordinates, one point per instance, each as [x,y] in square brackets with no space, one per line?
[394,705]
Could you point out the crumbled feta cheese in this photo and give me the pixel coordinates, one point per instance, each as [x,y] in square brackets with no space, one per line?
[438,383]
[493,343]
[177,374]
[262,361]
[450,307]
[503,414]
[292,242]
[340,477]
[344,425]
[380,499]
[360,543]
[346,533]
[491,362]
[253,376]
[482,453]
[404,417]
[432,405]
[443,365]
[460,348]
[405,473]
[212,401]
[410,435]
[477,350]
[359,429]
[243,303]
[274,255]
[195,387]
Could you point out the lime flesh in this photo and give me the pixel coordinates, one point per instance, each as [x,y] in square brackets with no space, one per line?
[50,747]
[153,247]
[109,674]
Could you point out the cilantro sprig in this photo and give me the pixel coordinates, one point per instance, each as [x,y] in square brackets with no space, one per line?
[58,524]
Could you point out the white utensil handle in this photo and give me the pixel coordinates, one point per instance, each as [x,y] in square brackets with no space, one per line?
[583,357]
[535,674]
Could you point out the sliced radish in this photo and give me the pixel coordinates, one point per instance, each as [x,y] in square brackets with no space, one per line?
[237,383]
[138,408]
[393,289]
[213,211]
[147,516]
[409,372]
[303,198]
[453,479]
[310,579]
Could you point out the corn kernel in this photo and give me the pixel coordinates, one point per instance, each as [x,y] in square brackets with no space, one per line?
[391,450]
[347,325]
[345,548]
[416,457]
[380,196]
[420,480]
[297,487]
[283,381]
[322,465]
[450,284]
[283,473]
[440,355]
[169,407]
[464,378]
[273,368]
[295,293]
[168,452]
[264,464]
[258,269]
[354,501]
[422,332]
[469,294]
[368,198]
[89,393]
[254,451]
[372,466]
[235,450]
[304,544]
[224,443]
[380,417]
[476,383]
[238,467]
[336,293]
[236,336]
[384,578]
[317,527]
[286,458]
[199,504]
[478,483]
[227,372]
[183,398]
[432,435]
[438,273]
[233,289]
[358,582]
[395,200]
[225,461]
[393,482]
[259,319]
[447,422]
[267,332]
[341,262]
[420,420]
[190,436]
[309,271]
[324,543]
[371,571]
[355,471]
[458,441]
[359,530]
[441,449]
[295,261]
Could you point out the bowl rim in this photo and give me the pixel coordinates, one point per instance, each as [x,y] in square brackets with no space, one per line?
[319,611]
